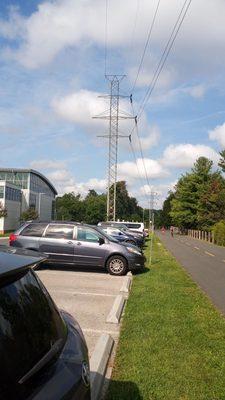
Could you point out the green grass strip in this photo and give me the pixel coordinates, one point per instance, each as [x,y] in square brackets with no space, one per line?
[172,342]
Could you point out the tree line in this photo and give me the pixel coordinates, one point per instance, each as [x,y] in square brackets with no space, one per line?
[92,208]
[198,201]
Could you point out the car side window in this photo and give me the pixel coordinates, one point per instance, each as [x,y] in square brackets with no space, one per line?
[59,231]
[87,234]
[36,230]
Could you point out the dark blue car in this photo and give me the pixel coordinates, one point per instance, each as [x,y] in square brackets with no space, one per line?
[43,352]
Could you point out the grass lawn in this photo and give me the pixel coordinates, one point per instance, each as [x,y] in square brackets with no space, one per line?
[5,234]
[172,342]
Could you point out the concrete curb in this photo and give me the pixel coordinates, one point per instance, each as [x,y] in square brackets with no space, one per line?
[126,285]
[98,364]
[116,310]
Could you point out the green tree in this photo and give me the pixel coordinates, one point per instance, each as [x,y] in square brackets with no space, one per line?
[165,217]
[222,160]
[127,207]
[186,206]
[70,207]
[95,208]
[29,214]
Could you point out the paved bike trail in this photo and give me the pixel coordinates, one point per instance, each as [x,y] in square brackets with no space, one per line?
[205,262]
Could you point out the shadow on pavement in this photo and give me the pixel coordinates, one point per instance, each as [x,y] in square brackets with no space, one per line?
[60,267]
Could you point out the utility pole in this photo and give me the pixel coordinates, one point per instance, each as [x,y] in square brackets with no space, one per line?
[151,220]
[113,136]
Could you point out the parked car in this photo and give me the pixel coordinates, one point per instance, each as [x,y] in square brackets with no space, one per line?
[43,350]
[132,227]
[78,244]
[138,236]
[123,236]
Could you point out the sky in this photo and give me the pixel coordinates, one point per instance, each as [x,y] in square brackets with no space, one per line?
[53,59]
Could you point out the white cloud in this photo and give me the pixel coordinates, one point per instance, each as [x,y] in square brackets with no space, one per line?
[47,164]
[184,155]
[80,107]
[128,170]
[60,24]
[218,134]
[65,182]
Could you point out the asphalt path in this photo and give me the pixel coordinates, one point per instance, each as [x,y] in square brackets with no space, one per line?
[204,261]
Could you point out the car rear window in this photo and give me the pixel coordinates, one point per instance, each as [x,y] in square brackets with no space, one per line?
[34,230]
[133,226]
[29,326]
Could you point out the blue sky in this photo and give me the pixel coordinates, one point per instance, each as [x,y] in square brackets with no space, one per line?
[52,71]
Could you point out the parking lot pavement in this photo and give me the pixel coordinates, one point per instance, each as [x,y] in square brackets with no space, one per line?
[88,296]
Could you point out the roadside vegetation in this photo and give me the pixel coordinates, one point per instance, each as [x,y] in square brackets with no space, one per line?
[198,201]
[172,342]
[92,208]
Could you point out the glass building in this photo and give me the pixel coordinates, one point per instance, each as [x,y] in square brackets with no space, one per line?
[24,188]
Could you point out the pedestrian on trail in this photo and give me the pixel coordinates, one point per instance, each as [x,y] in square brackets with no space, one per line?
[163,229]
[171,231]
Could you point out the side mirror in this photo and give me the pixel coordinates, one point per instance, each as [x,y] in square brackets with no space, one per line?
[101,241]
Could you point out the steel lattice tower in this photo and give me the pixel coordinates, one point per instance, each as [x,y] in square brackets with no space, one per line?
[113,136]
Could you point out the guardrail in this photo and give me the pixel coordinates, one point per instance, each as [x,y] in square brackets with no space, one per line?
[202,235]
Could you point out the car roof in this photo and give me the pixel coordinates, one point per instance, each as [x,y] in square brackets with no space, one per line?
[14,260]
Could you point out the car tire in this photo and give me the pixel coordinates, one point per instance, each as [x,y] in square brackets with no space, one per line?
[116,265]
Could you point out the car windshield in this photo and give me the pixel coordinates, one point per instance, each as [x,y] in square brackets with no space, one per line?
[30,325]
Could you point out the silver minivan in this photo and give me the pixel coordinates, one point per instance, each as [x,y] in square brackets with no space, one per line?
[79,245]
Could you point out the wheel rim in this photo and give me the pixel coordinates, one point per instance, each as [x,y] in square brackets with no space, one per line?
[116,265]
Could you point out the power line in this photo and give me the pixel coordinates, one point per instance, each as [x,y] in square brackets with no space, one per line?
[157,73]
[138,170]
[146,45]
[165,54]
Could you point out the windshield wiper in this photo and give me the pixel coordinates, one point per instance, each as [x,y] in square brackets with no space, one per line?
[43,361]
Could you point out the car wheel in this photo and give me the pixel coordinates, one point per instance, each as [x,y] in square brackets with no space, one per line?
[116,265]
[131,241]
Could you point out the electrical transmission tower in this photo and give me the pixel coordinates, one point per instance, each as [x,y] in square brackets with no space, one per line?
[113,136]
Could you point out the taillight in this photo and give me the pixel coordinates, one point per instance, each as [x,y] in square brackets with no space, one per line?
[12,238]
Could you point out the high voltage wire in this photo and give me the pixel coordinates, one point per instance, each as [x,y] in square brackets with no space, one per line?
[138,170]
[157,73]
[146,45]
[165,54]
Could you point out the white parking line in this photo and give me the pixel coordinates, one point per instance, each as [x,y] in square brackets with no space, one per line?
[209,254]
[196,248]
[188,244]
[81,293]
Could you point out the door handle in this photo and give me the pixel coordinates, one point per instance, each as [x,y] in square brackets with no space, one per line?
[69,242]
[79,243]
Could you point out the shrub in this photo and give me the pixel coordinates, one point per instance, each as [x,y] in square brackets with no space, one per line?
[29,214]
[219,233]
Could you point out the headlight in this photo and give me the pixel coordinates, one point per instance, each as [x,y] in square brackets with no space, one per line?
[134,251]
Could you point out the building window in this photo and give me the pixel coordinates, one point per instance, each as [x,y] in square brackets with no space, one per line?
[33,200]
[1,192]
[12,194]
[19,179]
[39,186]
